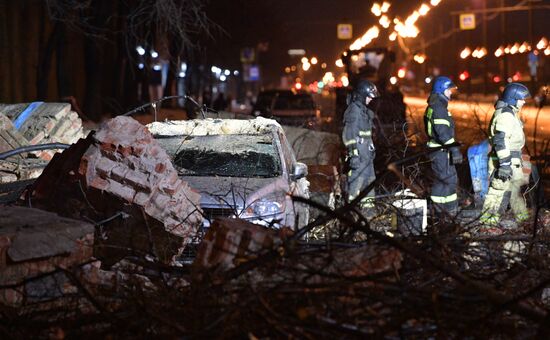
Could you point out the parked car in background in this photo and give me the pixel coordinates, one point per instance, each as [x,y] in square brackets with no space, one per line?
[287,107]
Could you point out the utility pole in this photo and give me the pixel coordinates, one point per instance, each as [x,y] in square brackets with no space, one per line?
[486,59]
[531,41]
[503,37]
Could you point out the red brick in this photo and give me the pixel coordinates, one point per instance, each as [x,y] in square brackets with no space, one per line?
[119,172]
[123,191]
[141,198]
[104,166]
[160,167]
[124,150]
[138,179]
[99,184]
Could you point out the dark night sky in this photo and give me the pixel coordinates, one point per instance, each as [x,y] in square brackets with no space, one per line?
[311,25]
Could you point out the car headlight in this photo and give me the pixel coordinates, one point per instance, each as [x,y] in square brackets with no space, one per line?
[265,207]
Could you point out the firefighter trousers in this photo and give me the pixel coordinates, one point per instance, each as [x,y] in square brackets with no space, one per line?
[443,194]
[501,193]
[360,178]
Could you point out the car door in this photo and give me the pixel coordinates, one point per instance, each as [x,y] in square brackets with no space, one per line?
[298,187]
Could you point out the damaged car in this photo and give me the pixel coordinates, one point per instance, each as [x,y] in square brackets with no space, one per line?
[242,168]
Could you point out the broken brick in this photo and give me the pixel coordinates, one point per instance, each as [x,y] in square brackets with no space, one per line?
[116,179]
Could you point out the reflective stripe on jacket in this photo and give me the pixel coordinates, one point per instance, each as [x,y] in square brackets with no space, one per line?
[506,132]
[358,120]
[438,121]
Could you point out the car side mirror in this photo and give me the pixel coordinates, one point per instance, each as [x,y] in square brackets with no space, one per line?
[300,171]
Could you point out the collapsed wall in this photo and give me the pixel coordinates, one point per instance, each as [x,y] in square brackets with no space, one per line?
[29,124]
[19,167]
[230,243]
[35,244]
[121,174]
[41,123]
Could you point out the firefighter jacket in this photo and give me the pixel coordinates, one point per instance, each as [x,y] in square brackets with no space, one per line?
[506,133]
[438,122]
[358,122]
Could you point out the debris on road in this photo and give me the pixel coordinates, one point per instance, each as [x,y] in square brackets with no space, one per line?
[35,243]
[122,175]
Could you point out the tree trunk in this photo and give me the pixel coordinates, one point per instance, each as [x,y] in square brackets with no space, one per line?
[45,63]
[64,88]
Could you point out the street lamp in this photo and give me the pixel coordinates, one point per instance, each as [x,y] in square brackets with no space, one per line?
[465,53]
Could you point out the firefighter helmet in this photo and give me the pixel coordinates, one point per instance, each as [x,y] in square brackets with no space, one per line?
[365,89]
[514,92]
[441,84]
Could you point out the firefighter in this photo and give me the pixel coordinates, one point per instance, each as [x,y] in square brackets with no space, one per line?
[357,137]
[507,139]
[440,128]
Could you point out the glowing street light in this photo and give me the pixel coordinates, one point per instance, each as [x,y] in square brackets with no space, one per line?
[371,34]
[328,78]
[314,61]
[306,66]
[304,60]
[385,7]
[393,36]
[287,69]
[384,21]
[393,80]
[339,63]
[140,50]
[420,58]
[345,80]
[412,19]
[324,65]
[401,72]
[543,43]
[435,2]
[514,49]
[406,30]
[499,52]
[547,51]
[465,53]
[524,47]
[507,49]
[376,9]
[482,52]
[424,9]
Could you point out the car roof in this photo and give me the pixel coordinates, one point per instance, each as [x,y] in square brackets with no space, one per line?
[210,126]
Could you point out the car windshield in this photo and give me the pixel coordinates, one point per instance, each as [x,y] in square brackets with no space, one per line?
[225,155]
[294,102]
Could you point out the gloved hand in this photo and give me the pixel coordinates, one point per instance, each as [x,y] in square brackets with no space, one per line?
[456,156]
[504,171]
[354,162]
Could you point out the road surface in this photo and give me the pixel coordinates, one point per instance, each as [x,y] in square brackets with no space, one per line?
[472,118]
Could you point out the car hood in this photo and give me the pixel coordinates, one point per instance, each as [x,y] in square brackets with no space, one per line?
[233,191]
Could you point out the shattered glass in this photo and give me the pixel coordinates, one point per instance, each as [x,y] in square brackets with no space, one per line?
[225,155]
